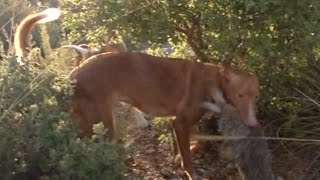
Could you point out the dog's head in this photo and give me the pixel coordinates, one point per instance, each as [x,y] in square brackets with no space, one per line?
[241,89]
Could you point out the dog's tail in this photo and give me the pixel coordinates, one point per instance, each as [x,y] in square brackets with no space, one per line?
[24,28]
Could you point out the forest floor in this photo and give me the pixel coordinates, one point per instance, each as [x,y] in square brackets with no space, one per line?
[151,158]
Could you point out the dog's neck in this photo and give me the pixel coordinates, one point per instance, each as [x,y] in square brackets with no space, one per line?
[214,78]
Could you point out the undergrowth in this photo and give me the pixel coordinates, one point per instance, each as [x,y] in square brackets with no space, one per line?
[38,139]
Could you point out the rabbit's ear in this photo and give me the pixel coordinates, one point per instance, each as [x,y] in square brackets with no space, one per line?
[217,96]
[211,107]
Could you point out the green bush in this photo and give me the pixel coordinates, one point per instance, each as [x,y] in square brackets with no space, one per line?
[37,136]
[304,122]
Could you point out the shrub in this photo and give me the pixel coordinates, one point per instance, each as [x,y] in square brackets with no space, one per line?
[304,122]
[37,136]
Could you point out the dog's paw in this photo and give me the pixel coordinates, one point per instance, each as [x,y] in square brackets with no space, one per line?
[197,147]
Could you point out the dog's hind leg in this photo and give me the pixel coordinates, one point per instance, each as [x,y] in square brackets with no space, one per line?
[182,138]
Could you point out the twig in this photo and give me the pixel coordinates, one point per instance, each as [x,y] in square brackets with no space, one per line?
[309,98]
[220,138]
[310,165]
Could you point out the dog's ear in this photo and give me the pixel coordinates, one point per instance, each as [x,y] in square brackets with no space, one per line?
[227,72]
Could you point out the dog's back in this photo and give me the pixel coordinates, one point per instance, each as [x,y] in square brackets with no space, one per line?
[154,85]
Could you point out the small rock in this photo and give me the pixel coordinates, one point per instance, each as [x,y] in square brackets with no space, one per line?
[162,151]
[196,161]
[167,173]
[150,151]
[201,171]
[279,178]
[230,166]
[149,178]
[130,160]
[211,170]
[136,171]
[198,155]
[181,172]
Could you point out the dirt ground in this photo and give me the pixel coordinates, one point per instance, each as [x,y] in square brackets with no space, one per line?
[152,159]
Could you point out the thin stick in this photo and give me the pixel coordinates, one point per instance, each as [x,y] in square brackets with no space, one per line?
[310,165]
[220,138]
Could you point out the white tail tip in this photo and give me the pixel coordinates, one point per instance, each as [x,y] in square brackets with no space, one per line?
[52,14]
[19,60]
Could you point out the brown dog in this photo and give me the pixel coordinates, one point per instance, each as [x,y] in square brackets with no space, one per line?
[157,86]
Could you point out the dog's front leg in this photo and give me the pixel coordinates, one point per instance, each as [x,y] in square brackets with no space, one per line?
[182,138]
